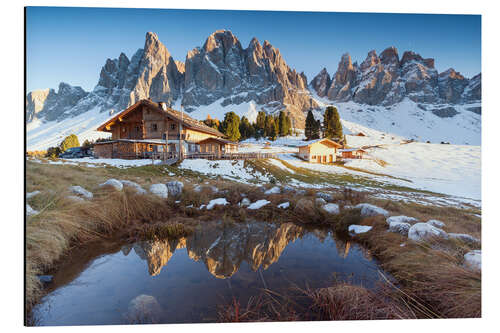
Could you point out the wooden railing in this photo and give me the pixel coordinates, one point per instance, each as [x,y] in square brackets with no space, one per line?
[230,156]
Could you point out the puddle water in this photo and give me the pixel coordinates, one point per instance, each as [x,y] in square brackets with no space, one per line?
[184,280]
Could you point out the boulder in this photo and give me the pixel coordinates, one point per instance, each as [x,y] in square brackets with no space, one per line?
[325,196]
[144,309]
[32,194]
[112,183]
[175,188]
[371,210]
[436,223]
[472,260]
[304,206]
[358,229]
[320,201]
[259,204]
[136,187]
[399,227]
[401,219]
[30,211]
[284,205]
[217,202]
[273,190]
[245,202]
[465,238]
[424,231]
[159,190]
[80,191]
[331,208]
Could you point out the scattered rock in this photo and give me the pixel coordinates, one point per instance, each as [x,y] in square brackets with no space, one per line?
[144,309]
[30,211]
[371,210]
[436,223]
[78,190]
[424,231]
[320,201]
[288,189]
[273,190]
[331,208]
[359,229]
[401,218]
[245,202]
[284,205]
[113,183]
[175,188]
[324,195]
[465,238]
[304,206]
[138,188]
[32,194]
[259,204]
[217,202]
[399,227]
[472,259]
[159,190]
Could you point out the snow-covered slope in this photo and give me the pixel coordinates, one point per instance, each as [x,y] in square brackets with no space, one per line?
[408,120]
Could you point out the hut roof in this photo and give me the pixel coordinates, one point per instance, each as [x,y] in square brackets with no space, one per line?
[177,115]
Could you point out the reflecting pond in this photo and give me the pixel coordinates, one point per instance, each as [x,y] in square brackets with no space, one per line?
[183,280]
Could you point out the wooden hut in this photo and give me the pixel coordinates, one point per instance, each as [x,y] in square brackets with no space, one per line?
[319,151]
[147,129]
[217,146]
[352,153]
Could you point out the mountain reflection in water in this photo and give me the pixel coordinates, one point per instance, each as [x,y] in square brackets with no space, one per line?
[224,248]
[184,280]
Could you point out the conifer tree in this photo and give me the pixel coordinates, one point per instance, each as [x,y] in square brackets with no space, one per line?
[310,125]
[231,126]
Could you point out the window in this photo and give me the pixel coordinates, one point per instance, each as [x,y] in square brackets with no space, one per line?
[172,126]
[154,127]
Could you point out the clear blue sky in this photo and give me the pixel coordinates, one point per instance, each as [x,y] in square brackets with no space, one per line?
[72,44]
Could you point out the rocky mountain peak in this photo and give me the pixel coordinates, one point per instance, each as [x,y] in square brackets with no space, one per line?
[451,74]
[386,80]
[321,82]
[221,38]
[409,56]
[389,56]
[371,60]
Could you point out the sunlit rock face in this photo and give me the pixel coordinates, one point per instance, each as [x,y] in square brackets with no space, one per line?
[388,79]
[219,70]
[223,70]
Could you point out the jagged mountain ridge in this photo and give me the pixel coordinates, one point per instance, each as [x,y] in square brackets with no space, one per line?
[386,80]
[221,69]
[223,76]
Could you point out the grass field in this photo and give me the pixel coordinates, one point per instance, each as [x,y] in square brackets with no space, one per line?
[431,280]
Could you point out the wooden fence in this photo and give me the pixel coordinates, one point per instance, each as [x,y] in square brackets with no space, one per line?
[231,156]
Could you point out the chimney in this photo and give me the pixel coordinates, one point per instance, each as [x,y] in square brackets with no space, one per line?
[163,105]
